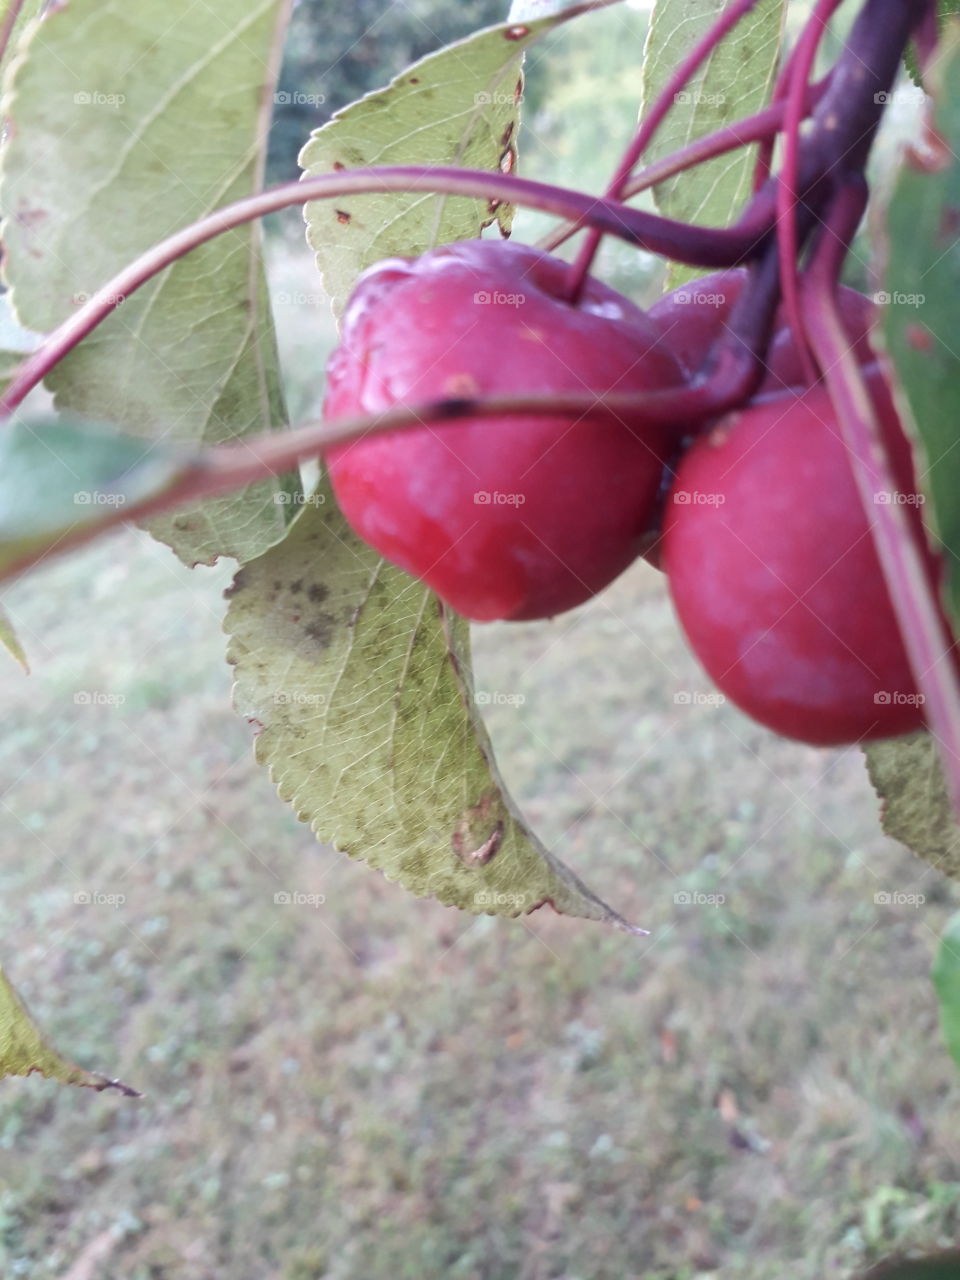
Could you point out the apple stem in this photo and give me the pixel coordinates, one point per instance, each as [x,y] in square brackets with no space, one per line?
[709,247]
[220,469]
[766,123]
[651,122]
[797,79]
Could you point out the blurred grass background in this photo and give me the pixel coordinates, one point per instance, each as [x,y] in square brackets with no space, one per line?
[379,1087]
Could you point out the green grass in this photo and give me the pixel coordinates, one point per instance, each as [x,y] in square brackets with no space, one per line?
[380,1087]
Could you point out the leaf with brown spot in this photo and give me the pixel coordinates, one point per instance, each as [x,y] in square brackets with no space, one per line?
[456,109]
[361,681]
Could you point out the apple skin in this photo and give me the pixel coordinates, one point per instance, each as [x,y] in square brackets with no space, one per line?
[694,315]
[515,517]
[774,577]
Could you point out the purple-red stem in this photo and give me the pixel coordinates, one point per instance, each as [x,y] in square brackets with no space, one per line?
[223,468]
[702,246]
[651,122]
[743,133]
[797,82]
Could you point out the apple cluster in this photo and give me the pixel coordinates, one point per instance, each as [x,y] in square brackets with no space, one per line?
[755,517]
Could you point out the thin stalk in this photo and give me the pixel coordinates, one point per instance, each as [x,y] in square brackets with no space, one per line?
[651,122]
[797,81]
[709,247]
[216,470]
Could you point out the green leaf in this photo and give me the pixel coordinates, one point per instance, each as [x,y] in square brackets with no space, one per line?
[921,285]
[735,81]
[10,640]
[129,122]
[456,107]
[57,476]
[935,1266]
[23,1049]
[946,980]
[360,683]
[915,805]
